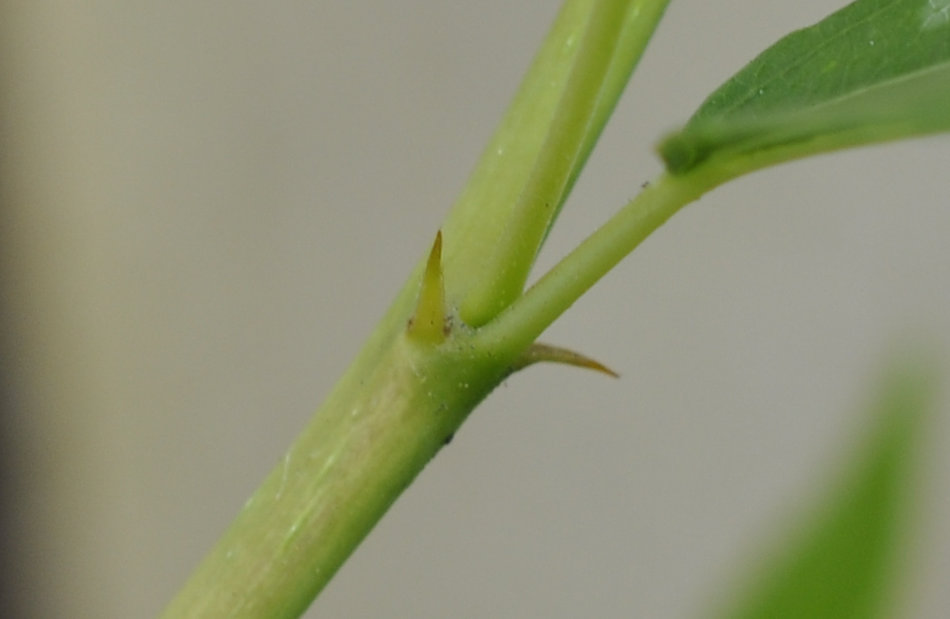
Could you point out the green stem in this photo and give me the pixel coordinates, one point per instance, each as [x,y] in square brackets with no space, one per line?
[525,319]
[502,217]
[406,394]
[641,20]
[505,271]
[385,420]
[479,216]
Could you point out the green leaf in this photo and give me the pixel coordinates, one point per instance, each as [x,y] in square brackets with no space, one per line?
[875,70]
[846,562]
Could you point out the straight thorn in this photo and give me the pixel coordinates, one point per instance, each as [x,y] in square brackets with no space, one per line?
[428,322]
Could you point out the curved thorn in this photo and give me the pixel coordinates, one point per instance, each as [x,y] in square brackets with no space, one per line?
[545,352]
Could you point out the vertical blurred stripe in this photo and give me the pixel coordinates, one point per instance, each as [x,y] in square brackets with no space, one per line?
[52,187]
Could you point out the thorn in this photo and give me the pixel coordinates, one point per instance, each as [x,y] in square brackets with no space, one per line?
[544,352]
[428,321]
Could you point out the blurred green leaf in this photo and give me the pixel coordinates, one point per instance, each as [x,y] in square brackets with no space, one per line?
[845,562]
[875,70]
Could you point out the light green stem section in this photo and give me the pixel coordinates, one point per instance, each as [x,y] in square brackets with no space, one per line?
[384,421]
[479,216]
[559,288]
[406,394]
[504,273]
[401,400]
[409,391]
[641,20]
[519,186]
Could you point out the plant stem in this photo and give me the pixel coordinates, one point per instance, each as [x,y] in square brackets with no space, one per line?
[559,288]
[504,273]
[516,191]
[386,419]
[641,20]
[408,391]
[482,210]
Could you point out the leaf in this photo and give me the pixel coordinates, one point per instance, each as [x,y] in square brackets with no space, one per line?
[875,70]
[845,563]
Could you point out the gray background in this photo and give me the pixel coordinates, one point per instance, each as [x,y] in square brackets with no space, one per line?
[208,206]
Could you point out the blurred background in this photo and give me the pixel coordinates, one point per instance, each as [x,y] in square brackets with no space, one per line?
[205,207]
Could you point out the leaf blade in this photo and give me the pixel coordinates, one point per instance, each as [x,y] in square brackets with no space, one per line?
[870,72]
[845,562]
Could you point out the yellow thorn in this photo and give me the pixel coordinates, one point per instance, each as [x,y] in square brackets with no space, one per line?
[428,321]
[544,352]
